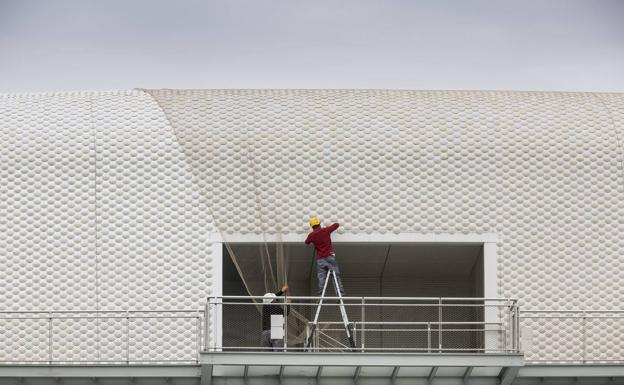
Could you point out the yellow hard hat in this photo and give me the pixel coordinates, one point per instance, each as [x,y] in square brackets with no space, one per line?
[314,221]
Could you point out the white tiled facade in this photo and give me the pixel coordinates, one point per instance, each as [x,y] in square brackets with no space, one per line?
[107,199]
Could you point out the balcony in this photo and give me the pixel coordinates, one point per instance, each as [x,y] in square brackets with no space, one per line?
[396,341]
[394,338]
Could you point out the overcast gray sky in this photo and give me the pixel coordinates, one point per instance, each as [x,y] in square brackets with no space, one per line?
[408,44]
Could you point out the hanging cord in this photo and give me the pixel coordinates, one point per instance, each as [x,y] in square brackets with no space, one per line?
[270,281]
[167,104]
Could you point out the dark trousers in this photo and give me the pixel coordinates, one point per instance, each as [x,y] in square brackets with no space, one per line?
[323,266]
[276,345]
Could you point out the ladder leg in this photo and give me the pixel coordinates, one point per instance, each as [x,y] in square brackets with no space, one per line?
[343,312]
[318,311]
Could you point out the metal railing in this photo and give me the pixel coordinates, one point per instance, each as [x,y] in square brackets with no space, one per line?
[379,324]
[573,336]
[90,337]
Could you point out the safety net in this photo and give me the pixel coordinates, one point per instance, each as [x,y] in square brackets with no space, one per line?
[263,166]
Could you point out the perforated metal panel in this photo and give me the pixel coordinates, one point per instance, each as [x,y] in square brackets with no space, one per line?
[104,205]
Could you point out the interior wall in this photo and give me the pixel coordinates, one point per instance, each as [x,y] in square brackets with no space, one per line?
[451,271]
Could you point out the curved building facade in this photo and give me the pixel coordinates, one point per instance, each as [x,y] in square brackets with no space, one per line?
[115,200]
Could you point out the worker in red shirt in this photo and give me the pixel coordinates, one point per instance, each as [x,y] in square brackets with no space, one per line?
[320,237]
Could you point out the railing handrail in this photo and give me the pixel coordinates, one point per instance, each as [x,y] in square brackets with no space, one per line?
[611,311]
[98,311]
[409,323]
[466,299]
[369,304]
[96,317]
[564,317]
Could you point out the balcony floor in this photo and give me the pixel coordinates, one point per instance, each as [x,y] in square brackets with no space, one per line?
[395,368]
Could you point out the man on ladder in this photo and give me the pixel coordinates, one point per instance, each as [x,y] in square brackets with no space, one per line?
[320,237]
[327,269]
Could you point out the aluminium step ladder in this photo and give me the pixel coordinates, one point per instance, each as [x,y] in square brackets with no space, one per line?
[343,312]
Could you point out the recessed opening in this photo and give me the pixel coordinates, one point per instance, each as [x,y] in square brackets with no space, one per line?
[368,269]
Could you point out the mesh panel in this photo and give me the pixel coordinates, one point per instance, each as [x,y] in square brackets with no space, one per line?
[24,340]
[242,325]
[378,325]
[590,338]
[163,339]
[114,342]
[110,337]
[75,340]
[603,339]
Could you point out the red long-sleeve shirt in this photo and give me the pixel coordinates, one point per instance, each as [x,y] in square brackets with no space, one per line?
[321,238]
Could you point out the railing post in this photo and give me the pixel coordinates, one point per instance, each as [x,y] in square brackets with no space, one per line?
[285,324]
[50,338]
[517,328]
[440,324]
[99,335]
[220,325]
[509,317]
[512,327]
[514,330]
[198,339]
[428,337]
[213,324]
[206,331]
[584,339]
[363,327]
[127,337]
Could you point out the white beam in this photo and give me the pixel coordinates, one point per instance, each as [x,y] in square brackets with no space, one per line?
[474,238]
[490,290]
